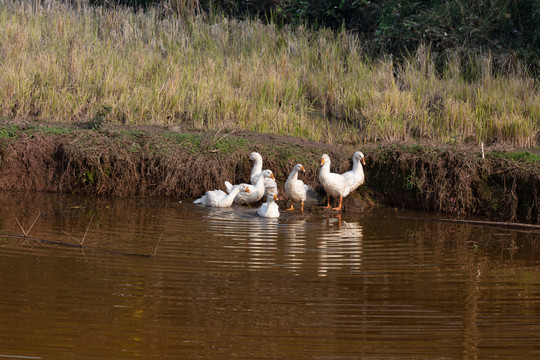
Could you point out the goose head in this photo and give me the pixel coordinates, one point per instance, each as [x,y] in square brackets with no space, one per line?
[359,156]
[268,174]
[255,156]
[325,159]
[244,188]
[299,167]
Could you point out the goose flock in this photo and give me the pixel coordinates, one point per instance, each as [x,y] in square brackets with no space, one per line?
[263,184]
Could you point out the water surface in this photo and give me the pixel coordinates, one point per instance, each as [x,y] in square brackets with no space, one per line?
[225,284]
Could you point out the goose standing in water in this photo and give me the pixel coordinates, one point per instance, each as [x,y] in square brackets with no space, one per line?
[296,189]
[336,185]
[356,176]
[219,198]
[269,209]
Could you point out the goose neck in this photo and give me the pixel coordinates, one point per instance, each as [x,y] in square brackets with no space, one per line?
[293,175]
[260,183]
[230,198]
[325,169]
[257,167]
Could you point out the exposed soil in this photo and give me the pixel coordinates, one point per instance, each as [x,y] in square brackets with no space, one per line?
[150,161]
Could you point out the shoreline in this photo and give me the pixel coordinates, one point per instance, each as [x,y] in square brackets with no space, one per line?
[122,161]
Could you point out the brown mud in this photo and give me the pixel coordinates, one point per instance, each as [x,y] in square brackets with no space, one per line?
[149,161]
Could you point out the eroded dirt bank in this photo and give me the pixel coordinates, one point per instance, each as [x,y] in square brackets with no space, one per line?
[174,163]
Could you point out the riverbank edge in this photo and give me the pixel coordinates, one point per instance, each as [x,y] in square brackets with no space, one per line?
[172,162]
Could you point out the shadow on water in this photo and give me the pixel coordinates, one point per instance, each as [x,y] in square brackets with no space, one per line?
[226,284]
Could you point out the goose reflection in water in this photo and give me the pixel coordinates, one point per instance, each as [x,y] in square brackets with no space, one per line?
[262,242]
[295,244]
[294,233]
[340,246]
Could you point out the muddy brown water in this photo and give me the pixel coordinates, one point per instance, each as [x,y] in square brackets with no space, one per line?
[225,284]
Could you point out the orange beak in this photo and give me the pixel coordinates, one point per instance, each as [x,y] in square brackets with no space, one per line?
[363,161]
[302,168]
[275,197]
[322,161]
[272,177]
[247,190]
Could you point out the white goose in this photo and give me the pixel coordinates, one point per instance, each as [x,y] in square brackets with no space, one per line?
[336,185]
[257,167]
[219,198]
[356,177]
[296,189]
[269,209]
[256,192]
[270,184]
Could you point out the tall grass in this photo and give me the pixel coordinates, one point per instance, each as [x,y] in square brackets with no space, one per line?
[63,63]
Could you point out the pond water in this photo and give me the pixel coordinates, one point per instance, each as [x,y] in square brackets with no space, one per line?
[225,284]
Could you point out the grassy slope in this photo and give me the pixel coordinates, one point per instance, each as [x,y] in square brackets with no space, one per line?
[67,65]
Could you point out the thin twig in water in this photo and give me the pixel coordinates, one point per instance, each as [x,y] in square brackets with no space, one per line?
[155,250]
[84,236]
[74,238]
[31,226]
[88,227]
[25,233]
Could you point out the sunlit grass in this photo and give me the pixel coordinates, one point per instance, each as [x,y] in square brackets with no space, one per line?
[62,64]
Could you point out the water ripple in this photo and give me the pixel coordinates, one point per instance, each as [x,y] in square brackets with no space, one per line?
[227,284]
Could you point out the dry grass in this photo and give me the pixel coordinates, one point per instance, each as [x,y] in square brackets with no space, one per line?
[60,63]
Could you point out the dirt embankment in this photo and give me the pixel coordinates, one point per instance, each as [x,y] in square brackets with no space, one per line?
[160,162]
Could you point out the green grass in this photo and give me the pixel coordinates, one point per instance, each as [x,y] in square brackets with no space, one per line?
[48,130]
[524,156]
[181,138]
[9,131]
[12,131]
[97,65]
[229,145]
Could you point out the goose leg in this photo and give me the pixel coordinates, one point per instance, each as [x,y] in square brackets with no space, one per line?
[302,207]
[328,206]
[292,207]
[340,201]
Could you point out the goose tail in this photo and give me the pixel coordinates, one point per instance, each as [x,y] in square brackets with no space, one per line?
[228,186]
[199,200]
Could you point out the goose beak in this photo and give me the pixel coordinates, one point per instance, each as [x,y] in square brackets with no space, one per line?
[363,161]
[272,177]
[302,168]
[322,161]
[275,197]
[247,190]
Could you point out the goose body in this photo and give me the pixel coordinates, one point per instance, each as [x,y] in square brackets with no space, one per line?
[296,189]
[270,208]
[219,198]
[256,192]
[335,185]
[356,176]
[270,186]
